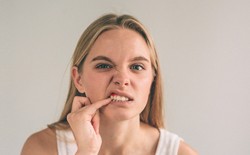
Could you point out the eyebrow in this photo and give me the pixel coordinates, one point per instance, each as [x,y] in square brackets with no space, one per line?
[138,58]
[102,58]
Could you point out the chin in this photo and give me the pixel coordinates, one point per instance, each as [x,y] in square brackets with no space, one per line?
[117,115]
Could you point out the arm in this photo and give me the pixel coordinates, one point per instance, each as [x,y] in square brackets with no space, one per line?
[185,149]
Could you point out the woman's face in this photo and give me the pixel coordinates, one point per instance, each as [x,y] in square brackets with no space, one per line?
[118,65]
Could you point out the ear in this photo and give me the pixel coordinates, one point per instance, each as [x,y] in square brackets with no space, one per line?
[76,77]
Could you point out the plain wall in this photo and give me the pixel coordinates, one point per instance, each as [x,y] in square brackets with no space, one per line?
[204,50]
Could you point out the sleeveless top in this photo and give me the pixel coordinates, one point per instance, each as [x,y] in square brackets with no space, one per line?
[168,143]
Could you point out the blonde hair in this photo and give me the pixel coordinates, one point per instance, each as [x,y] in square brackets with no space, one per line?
[153,112]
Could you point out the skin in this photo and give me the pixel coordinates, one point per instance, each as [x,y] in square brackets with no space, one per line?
[118,63]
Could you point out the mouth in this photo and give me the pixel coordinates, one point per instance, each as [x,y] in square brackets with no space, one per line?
[120,98]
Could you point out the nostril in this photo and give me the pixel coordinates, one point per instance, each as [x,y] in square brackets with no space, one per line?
[117,83]
[121,83]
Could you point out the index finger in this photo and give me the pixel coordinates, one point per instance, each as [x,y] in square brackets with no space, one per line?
[97,105]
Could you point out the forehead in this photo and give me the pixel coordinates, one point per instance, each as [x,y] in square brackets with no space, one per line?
[120,42]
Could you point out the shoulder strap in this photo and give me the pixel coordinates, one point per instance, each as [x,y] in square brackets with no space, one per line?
[168,143]
[66,144]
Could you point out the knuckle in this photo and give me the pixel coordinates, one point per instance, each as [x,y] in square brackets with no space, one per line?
[69,116]
[76,98]
[79,99]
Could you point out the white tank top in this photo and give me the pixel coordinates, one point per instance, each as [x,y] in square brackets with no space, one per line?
[168,143]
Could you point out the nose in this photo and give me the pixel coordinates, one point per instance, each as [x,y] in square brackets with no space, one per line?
[121,79]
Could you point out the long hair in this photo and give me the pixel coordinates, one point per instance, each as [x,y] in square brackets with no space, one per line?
[153,111]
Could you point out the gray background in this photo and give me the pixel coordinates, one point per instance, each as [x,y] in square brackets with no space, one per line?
[203,47]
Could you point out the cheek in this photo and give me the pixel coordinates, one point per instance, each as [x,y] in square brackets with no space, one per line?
[144,90]
[95,85]
[144,85]
[91,82]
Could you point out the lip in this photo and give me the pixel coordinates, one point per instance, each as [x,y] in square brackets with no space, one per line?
[121,94]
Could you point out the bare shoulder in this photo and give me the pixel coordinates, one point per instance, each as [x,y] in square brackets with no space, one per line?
[185,149]
[41,143]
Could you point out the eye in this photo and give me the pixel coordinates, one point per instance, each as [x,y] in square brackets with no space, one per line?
[103,66]
[137,67]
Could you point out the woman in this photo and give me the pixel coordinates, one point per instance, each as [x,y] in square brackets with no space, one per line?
[114,104]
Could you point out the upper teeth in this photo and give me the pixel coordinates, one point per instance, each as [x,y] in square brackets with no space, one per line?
[118,98]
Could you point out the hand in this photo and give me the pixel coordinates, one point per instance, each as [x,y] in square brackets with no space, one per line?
[84,121]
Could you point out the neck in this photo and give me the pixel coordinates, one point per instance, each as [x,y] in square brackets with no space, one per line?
[118,136]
